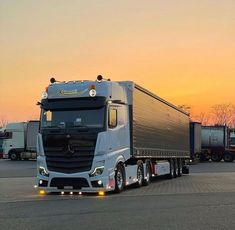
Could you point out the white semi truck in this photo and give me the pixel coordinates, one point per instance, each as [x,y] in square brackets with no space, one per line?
[20,140]
[99,136]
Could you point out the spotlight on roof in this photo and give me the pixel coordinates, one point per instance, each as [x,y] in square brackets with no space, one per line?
[52,80]
[99,78]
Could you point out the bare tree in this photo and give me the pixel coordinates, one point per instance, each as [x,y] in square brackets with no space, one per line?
[3,122]
[222,114]
[186,108]
[232,122]
[203,118]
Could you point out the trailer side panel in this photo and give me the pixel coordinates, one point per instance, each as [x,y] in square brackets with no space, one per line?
[159,129]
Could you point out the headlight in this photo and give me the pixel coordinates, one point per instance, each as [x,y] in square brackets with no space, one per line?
[97,171]
[43,171]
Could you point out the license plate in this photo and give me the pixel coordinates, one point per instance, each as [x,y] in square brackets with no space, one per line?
[68,187]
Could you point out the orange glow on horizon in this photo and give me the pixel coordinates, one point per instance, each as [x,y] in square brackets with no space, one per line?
[184,53]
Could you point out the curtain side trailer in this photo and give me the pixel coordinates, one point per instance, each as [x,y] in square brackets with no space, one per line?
[103,135]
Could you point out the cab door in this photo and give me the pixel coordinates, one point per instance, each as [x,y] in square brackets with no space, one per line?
[118,129]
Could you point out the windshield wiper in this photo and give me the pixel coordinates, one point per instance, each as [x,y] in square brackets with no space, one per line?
[81,128]
[53,127]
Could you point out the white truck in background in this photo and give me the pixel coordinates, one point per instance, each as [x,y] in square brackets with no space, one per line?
[20,140]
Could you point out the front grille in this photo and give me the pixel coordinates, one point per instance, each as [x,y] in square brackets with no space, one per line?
[76,183]
[71,154]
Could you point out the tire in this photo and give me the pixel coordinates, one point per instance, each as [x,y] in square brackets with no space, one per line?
[171,174]
[179,167]
[175,168]
[147,178]
[139,174]
[119,178]
[216,157]
[14,156]
[228,157]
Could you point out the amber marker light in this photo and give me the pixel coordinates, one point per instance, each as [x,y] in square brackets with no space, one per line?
[101,193]
[42,192]
[92,87]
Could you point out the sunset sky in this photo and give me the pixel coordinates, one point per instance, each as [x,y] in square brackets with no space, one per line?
[182,50]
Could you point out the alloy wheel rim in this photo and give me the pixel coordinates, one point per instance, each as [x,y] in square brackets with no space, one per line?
[139,175]
[119,179]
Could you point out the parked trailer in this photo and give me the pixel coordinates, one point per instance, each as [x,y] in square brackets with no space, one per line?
[20,140]
[100,136]
[215,144]
[195,140]
[1,142]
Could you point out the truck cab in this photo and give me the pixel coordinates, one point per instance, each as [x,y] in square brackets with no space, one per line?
[84,132]
[13,142]
[232,140]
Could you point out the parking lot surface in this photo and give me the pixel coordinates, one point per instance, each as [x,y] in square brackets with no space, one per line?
[205,199]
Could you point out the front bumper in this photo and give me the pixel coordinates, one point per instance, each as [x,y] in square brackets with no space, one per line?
[79,182]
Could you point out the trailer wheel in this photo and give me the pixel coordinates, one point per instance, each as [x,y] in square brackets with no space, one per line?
[119,178]
[216,157]
[14,156]
[228,157]
[139,174]
[171,174]
[179,168]
[148,174]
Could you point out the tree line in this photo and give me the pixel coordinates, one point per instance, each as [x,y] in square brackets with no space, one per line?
[219,114]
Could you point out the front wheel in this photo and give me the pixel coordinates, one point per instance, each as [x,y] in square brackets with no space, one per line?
[119,178]
[14,156]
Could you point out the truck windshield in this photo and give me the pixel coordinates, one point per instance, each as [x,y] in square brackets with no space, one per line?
[88,118]
[232,140]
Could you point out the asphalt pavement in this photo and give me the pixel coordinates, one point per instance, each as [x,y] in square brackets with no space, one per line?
[205,200]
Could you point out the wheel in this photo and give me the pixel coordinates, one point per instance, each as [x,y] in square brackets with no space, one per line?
[216,157]
[179,168]
[228,157]
[171,174]
[148,174]
[14,156]
[175,168]
[119,178]
[204,156]
[139,174]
